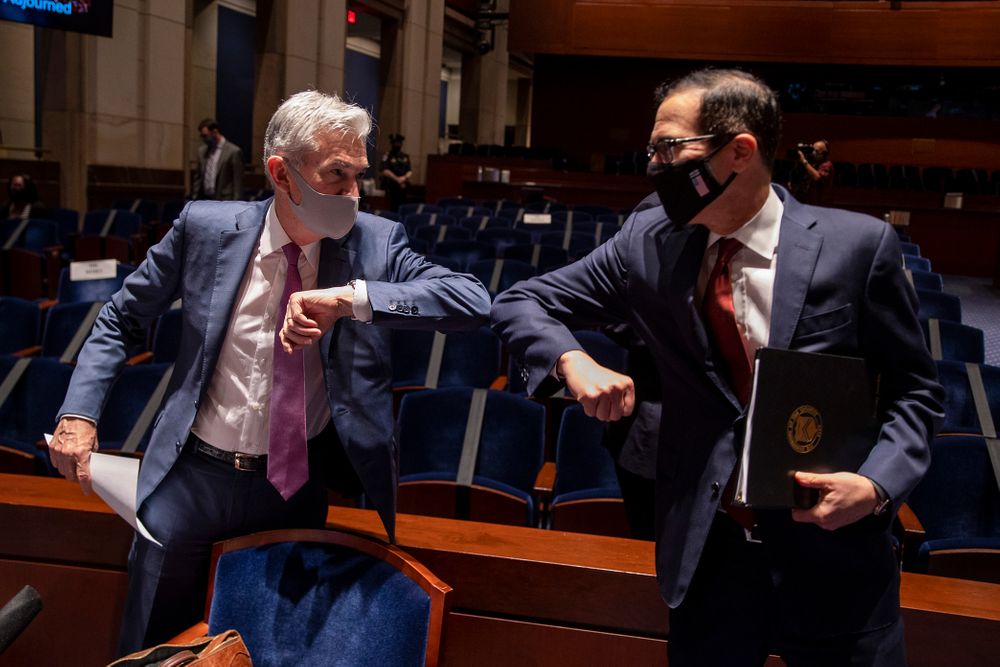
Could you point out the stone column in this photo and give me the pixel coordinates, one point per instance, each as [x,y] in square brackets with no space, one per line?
[411,87]
[300,47]
[119,100]
[17,103]
[484,92]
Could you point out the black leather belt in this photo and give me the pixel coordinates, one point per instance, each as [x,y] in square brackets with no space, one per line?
[239,460]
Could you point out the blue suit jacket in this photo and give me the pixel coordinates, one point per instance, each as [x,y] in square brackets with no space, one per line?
[202,261]
[839,288]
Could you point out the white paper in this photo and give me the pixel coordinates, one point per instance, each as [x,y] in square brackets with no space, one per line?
[116,480]
[537,218]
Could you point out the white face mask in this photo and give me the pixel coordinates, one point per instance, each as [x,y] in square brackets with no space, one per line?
[326,215]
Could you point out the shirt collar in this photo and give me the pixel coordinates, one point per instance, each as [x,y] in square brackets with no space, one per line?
[273,238]
[760,233]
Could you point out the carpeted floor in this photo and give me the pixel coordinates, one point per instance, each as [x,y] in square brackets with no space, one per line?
[980,308]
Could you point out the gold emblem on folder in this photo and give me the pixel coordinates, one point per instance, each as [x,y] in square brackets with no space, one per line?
[804,429]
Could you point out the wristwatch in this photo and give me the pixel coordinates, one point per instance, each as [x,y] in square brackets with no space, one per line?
[883,500]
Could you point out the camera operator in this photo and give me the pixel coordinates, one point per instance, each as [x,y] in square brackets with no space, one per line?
[811,177]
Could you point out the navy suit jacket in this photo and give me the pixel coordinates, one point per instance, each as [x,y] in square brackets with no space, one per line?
[202,261]
[839,288]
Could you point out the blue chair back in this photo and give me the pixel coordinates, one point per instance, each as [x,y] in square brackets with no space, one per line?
[125,223]
[406,210]
[438,233]
[449,202]
[311,597]
[911,249]
[938,305]
[549,257]
[594,211]
[513,271]
[502,238]
[31,408]
[584,465]
[544,207]
[38,233]
[464,252]
[416,221]
[960,415]
[127,399]
[918,263]
[464,211]
[616,219]
[469,359]
[958,342]
[91,290]
[927,280]
[147,209]
[578,243]
[19,323]
[61,324]
[479,223]
[432,429]
[447,262]
[574,215]
[67,220]
[958,498]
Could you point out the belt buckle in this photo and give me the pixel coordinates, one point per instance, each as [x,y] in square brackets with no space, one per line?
[243,462]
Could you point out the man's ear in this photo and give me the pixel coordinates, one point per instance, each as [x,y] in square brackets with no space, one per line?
[744,149]
[277,169]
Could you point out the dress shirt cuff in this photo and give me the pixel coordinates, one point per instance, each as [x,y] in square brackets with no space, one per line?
[360,304]
[86,419]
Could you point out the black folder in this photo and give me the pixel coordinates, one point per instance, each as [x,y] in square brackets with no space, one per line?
[810,412]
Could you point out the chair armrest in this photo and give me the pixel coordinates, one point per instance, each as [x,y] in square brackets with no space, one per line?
[141,358]
[196,631]
[32,351]
[910,523]
[545,481]
[500,383]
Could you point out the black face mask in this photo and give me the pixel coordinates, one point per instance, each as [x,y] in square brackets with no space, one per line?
[687,187]
[209,141]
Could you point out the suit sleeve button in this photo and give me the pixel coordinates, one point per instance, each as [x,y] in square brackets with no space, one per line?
[715,489]
[413,310]
[392,307]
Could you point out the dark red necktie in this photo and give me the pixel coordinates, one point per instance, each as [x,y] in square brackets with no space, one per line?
[720,316]
[287,455]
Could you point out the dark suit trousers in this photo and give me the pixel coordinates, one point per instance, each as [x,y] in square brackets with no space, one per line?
[199,502]
[728,616]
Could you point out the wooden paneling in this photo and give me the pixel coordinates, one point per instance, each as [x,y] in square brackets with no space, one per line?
[107,183]
[563,597]
[911,33]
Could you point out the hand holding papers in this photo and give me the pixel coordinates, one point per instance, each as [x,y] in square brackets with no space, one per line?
[115,479]
[808,412]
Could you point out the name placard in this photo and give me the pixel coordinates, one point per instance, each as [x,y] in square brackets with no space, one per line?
[537,219]
[98,269]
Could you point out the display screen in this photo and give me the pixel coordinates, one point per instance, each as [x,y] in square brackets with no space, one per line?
[89,16]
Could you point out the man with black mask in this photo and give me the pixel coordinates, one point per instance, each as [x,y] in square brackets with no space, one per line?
[220,165]
[727,264]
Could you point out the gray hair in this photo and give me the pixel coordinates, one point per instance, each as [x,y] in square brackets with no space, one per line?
[293,128]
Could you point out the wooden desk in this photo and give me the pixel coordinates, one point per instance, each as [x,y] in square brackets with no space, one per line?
[522,596]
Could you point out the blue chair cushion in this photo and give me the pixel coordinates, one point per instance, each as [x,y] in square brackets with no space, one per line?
[319,604]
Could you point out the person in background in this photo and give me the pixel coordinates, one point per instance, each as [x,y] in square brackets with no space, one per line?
[220,165]
[22,199]
[812,177]
[396,172]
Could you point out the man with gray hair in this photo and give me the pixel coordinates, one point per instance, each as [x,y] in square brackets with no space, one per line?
[250,436]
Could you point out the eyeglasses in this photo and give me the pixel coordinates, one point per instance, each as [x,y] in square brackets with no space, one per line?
[665,147]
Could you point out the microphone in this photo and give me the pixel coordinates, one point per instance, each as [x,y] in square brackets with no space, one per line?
[17,614]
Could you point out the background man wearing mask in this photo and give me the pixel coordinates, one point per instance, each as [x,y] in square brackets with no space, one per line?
[220,166]
[247,432]
[728,264]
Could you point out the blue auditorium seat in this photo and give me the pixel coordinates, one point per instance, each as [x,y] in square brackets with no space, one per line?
[916,263]
[957,342]
[127,399]
[960,415]
[30,409]
[19,324]
[469,359]
[938,305]
[511,271]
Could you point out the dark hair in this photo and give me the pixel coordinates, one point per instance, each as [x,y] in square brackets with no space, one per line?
[733,101]
[30,190]
[209,123]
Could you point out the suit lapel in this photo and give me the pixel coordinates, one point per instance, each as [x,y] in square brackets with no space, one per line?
[681,252]
[236,246]
[798,250]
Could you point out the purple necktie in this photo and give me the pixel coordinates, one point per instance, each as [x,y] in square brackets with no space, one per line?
[287,457]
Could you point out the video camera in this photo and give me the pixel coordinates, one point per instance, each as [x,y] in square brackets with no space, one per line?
[807,152]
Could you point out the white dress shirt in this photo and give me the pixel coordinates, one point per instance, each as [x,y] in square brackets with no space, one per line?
[234,412]
[752,271]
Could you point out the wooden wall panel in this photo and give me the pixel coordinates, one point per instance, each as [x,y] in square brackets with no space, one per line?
[912,33]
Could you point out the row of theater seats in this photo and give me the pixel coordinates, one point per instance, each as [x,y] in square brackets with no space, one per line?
[439,379]
[914,178]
